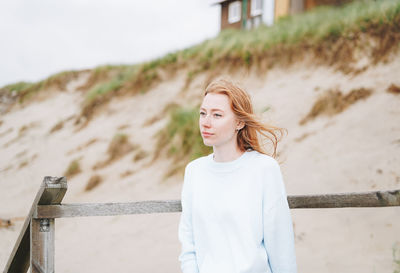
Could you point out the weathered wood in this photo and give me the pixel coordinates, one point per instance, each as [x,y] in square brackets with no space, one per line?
[107,209]
[344,200]
[51,191]
[341,200]
[42,245]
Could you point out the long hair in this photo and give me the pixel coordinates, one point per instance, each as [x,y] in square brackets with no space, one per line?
[247,137]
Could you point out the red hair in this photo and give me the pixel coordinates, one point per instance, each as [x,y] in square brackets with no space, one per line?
[247,137]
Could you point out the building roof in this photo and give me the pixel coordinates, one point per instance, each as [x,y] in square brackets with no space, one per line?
[218,2]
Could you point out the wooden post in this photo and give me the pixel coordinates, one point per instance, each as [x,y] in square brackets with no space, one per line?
[42,245]
[42,230]
[51,192]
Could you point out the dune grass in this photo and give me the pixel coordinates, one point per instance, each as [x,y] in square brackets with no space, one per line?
[316,25]
[94,181]
[123,80]
[284,42]
[310,28]
[291,37]
[181,139]
[123,73]
[73,168]
[25,90]
[17,87]
[333,102]
[118,147]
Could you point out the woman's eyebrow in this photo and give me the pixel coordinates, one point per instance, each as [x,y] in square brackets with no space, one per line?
[213,109]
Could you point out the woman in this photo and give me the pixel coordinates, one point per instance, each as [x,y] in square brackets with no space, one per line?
[235,216]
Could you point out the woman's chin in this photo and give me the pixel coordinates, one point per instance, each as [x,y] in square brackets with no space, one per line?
[207,143]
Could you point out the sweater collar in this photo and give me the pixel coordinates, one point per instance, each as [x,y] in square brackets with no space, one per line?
[228,166]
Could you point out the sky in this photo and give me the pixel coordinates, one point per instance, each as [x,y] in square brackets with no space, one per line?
[39,38]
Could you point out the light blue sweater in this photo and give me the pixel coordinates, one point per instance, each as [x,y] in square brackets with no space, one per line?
[235,217]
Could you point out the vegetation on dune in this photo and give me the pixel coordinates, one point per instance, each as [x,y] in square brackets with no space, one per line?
[331,34]
[101,74]
[120,80]
[73,168]
[333,102]
[93,182]
[141,154]
[323,31]
[118,147]
[58,126]
[23,164]
[394,89]
[101,92]
[17,87]
[22,91]
[181,139]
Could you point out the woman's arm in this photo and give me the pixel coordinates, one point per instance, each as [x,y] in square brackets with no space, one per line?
[188,253]
[278,227]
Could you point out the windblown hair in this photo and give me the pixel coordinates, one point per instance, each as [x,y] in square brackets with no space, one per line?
[247,137]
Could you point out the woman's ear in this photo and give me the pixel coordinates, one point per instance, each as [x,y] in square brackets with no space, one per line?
[240,125]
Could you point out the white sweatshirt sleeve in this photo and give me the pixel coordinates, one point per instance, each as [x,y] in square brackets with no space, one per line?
[277,223]
[188,253]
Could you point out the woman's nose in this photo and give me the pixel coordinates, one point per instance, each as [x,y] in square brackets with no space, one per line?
[205,121]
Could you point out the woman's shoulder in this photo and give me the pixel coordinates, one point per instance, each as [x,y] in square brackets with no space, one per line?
[198,162]
[263,160]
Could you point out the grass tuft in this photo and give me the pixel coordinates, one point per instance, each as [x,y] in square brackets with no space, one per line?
[118,148]
[93,182]
[394,89]
[26,90]
[333,102]
[73,168]
[58,126]
[141,154]
[181,139]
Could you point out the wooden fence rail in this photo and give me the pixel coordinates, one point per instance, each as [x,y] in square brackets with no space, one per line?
[35,244]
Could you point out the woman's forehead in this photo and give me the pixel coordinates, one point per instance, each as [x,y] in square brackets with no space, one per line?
[216,101]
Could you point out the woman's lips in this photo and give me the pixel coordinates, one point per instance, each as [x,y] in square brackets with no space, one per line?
[206,134]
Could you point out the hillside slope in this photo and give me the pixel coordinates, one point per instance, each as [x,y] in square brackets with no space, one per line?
[355,150]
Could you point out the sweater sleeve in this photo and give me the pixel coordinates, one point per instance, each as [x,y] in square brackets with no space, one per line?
[277,223]
[187,256]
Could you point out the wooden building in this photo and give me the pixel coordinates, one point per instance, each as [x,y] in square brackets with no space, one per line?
[247,14]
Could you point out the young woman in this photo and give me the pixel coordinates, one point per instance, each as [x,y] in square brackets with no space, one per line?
[235,216]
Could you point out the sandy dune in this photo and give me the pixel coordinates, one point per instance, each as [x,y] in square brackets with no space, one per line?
[355,150]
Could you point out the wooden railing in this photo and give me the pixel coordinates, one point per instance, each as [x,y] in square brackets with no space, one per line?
[35,244]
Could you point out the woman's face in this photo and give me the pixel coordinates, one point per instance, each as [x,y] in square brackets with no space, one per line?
[217,121]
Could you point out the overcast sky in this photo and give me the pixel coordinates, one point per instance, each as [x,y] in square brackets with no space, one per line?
[42,37]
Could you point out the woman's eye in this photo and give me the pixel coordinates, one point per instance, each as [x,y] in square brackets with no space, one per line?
[217,115]
[202,113]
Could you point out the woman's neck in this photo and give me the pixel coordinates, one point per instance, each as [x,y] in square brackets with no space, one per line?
[226,155]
